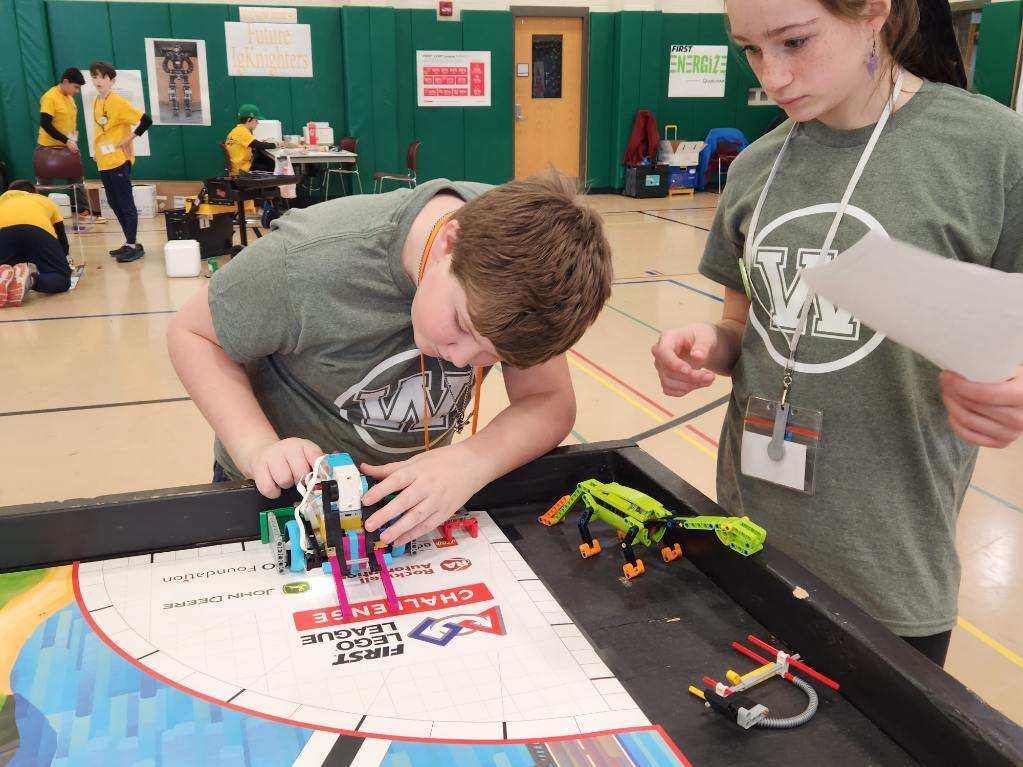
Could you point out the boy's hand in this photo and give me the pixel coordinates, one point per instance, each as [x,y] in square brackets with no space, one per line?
[430,488]
[679,356]
[984,414]
[280,464]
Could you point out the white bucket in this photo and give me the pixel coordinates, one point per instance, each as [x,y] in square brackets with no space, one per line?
[182,258]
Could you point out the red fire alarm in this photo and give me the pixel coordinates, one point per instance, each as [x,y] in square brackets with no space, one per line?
[446,8]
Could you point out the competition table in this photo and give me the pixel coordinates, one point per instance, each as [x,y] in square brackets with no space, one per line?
[657,634]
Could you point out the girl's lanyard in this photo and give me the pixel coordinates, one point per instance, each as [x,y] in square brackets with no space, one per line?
[477,372]
[804,312]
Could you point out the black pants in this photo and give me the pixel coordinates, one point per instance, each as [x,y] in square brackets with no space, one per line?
[27,244]
[117,183]
[934,646]
[262,161]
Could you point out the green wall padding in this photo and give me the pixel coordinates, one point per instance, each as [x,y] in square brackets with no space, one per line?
[441,129]
[20,123]
[321,97]
[599,163]
[364,82]
[79,35]
[488,131]
[127,20]
[200,144]
[997,49]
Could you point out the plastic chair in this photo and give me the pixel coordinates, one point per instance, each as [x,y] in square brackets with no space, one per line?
[55,162]
[411,160]
[227,159]
[724,154]
[348,144]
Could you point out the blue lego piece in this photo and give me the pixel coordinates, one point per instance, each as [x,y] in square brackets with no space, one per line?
[297,555]
[353,550]
[326,568]
[339,459]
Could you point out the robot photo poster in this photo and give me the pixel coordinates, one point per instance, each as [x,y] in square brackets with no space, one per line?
[179,92]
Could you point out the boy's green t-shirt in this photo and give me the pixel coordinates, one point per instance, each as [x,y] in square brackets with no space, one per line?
[319,312]
[891,474]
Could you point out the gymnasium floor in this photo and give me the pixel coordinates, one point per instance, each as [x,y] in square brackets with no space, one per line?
[93,407]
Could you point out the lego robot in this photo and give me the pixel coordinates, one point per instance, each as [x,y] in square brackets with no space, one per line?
[326,529]
[642,520]
[178,65]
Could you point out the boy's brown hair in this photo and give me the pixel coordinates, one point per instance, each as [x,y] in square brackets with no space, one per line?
[535,266]
[102,68]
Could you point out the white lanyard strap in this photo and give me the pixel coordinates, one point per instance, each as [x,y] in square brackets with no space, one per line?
[804,312]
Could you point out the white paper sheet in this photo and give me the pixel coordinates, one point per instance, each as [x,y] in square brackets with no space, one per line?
[960,316]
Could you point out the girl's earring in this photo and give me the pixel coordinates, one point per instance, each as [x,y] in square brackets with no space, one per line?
[872,60]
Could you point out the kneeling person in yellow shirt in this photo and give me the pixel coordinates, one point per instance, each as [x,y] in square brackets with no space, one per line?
[114,117]
[244,150]
[33,245]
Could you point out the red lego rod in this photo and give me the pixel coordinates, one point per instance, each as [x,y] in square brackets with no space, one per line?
[797,664]
[753,656]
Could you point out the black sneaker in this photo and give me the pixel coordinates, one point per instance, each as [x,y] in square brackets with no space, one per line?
[121,250]
[134,254]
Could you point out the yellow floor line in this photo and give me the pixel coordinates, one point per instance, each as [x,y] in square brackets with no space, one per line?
[994,644]
[609,385]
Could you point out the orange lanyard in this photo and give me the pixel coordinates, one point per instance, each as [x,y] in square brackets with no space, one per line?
[477,372]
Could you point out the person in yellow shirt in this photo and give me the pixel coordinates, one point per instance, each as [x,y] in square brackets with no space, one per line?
[58,132]
[244,151]
[33,245]
[113,117]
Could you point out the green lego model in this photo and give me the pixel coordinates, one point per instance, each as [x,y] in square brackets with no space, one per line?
[640,519]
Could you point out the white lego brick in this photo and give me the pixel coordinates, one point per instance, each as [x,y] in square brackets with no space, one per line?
[595,670]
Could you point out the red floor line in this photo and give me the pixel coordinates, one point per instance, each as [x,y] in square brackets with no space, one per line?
[642,396]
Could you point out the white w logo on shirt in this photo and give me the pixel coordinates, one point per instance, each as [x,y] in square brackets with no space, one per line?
[400,408]
[785,299]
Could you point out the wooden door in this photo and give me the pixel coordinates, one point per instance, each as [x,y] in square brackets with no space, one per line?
[548,94]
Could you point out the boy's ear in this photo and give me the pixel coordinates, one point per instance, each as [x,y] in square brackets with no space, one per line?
[449,235]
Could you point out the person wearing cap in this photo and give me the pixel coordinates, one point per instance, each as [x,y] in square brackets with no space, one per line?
[58,130]
[244,151]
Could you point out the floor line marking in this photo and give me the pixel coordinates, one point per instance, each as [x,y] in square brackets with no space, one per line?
[640,406]
[995,498]
[92,316]
[994,644]
[643,397]
[94,407]
[673,221]
[677,283]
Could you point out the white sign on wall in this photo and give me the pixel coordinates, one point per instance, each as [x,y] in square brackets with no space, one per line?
[268,50]
[453,78]
[697,71]
[128,85]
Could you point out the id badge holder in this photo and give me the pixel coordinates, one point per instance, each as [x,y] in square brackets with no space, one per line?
[780,443]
